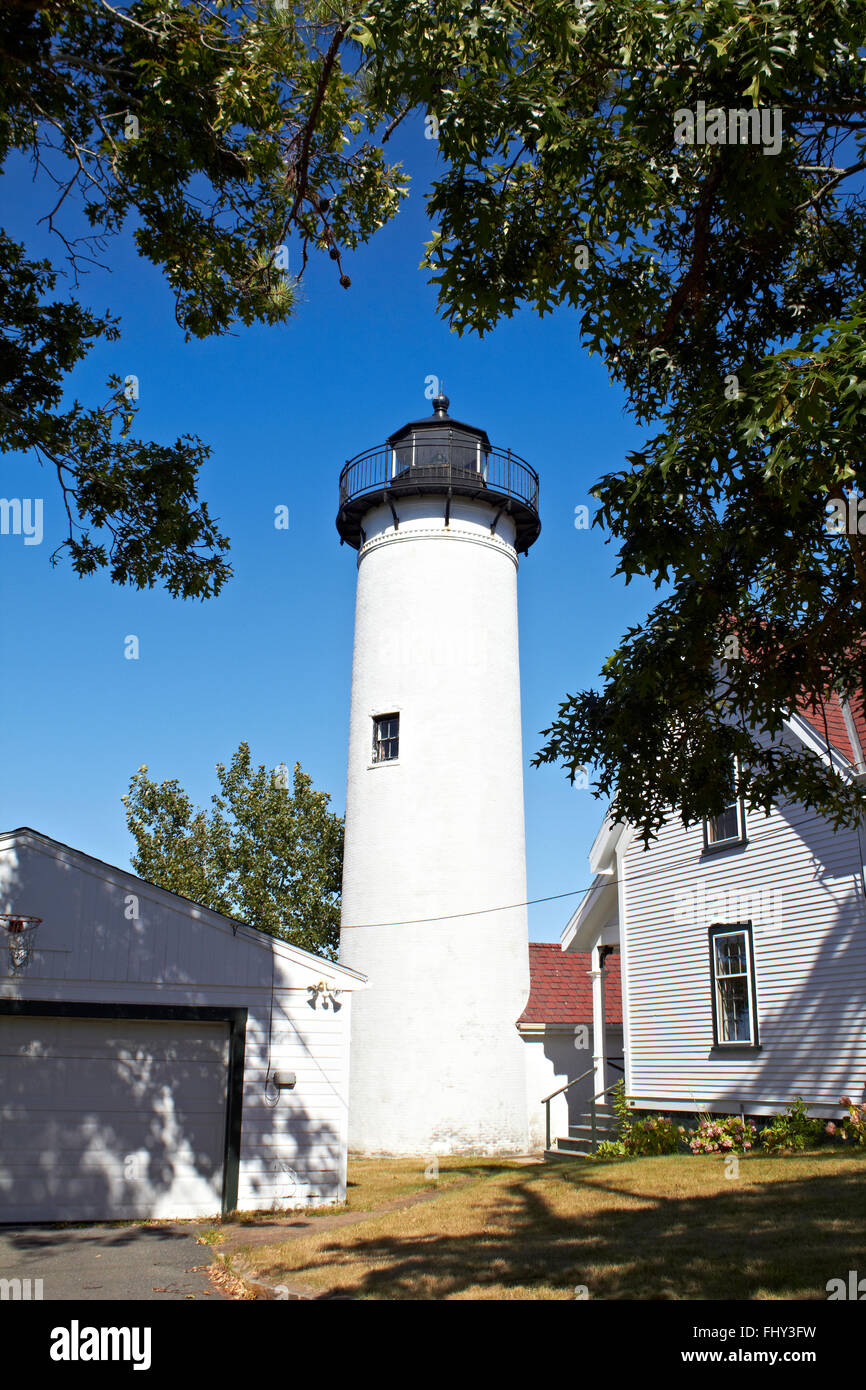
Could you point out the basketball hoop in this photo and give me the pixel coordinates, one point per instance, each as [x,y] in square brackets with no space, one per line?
[20,933]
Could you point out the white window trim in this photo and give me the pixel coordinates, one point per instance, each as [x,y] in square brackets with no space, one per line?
[739,838]
[737,804]
[717,931]
[376,717]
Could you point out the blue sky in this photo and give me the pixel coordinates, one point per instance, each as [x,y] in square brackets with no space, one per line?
[269,660]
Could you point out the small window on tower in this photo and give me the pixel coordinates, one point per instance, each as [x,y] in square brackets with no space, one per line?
[386,737]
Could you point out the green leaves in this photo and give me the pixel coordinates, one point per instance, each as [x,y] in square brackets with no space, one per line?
[225,133]
[710,264]
[269,852]
[132,507]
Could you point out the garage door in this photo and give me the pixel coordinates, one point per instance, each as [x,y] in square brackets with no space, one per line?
[111,1119]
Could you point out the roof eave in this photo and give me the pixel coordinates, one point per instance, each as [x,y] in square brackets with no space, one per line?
[597,910]
[218,919]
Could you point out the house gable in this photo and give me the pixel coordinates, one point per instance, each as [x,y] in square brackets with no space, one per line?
[46,878]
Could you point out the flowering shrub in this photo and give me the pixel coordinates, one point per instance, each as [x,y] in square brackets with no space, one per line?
[855,1125]
[653,1135]
[793,1129]
[722,1136]
[640,1136]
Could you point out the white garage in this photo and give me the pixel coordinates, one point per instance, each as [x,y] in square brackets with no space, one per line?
[156,1059]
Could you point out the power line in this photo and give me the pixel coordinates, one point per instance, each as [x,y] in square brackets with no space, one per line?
[686,862]
[475,912]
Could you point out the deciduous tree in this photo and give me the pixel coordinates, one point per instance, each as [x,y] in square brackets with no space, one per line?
[217,135]
[267,852]
[688,178]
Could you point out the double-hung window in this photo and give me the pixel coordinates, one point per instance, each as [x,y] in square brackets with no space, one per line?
[733,981]
[386,737]
[728,828]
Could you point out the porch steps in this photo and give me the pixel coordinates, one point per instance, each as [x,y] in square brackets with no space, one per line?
[578,1142]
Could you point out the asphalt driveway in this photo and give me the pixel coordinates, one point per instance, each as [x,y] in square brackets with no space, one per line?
[122,1263]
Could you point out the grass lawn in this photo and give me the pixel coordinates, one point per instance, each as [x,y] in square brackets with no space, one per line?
[649,1228]
[374,1181]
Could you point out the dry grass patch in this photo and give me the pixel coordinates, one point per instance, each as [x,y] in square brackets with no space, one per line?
[375,1182]
[626,1229]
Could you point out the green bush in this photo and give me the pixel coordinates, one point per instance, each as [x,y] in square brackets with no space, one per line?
[652,1135]
[621,1108]
[611,1148]
[855,1125]
[794,1129]
[641,1136]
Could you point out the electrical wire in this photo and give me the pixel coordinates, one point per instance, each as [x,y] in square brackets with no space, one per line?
[686,862]
[476,912]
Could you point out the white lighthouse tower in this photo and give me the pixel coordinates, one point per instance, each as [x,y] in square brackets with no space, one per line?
[434,805]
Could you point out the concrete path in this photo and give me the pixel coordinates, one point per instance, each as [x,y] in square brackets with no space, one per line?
[122,1263]
[236,1235]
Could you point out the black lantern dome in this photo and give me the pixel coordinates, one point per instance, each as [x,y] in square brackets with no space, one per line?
[438,455]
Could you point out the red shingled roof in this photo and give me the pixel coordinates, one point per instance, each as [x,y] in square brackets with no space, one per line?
[828,721]
[561,990]
[835,724]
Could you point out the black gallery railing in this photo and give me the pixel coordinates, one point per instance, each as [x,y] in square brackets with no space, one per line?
[444,461]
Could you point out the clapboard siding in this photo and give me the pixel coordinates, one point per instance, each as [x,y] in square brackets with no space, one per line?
[799,884]
[109,938]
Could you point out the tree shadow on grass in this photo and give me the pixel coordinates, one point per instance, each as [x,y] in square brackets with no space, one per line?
[781,1239]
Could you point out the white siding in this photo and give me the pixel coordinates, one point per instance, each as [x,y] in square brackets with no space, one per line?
[95,946]
[799,884]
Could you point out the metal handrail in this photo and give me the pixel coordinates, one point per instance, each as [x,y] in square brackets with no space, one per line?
[567,1085]
[593,1112]
[610,1063]
[545,1101]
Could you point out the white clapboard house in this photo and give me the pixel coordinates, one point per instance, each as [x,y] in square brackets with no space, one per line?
[742,945]
[156,1058]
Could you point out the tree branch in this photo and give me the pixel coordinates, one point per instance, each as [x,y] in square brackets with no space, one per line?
[310,124]
[695,273]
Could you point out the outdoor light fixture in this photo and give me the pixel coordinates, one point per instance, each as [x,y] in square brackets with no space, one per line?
[324,990]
